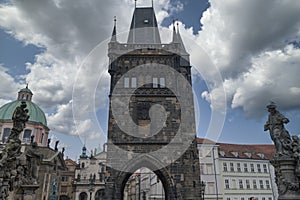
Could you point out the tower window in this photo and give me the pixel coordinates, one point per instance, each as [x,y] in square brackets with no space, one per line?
[162,82]
[133,82]
[155,82]
[126,82]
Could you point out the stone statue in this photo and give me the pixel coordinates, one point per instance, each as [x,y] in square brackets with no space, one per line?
[53,189]
[296,153]
[287,158]
[20,117]
[13,143]
[56,145]
[31,139]
[279,135]
[33,159]
[49,141]
[13,170]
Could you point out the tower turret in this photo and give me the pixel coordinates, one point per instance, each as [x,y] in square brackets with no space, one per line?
[25,94]
[114,33]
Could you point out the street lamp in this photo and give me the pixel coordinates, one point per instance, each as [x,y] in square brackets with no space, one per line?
[202,189]
[91,186]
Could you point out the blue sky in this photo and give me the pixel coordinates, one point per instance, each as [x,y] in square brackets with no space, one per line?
[255,50]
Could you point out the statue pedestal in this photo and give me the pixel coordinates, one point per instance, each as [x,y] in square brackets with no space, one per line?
[287,181]
[4,187]
[27,192]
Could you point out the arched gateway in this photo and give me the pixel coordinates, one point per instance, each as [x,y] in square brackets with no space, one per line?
[151,114]
[146,161]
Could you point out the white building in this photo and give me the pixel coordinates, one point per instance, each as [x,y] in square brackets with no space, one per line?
[90,175]
[237,172]
[144,185]
[246,172]
[209,168]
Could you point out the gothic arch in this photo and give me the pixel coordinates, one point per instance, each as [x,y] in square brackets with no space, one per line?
[152,164]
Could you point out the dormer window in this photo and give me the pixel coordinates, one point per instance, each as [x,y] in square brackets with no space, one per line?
[222,153]
[146,21]
[248,154]
[261,155]
[235,154]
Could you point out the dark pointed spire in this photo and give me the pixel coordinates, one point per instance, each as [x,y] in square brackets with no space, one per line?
[114,33]
[179,39]
[174,32]
[184,56]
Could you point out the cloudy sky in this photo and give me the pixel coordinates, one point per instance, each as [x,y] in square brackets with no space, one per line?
[252,46]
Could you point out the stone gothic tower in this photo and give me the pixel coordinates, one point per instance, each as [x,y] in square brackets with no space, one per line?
[151,116]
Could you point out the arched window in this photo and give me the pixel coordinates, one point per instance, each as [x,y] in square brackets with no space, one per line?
[100,194]
[83,196]
[26,135]
[6,133]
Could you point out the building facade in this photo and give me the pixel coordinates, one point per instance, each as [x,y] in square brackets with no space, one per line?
[237,171]
[90,176]
[67,179]
[209,168]
[246,172]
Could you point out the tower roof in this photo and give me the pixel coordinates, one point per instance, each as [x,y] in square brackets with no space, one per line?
[144,29]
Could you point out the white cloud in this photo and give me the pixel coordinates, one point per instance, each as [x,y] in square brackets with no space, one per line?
[249,43]
[67,31]
[246,40]
[8,87]
[273,77]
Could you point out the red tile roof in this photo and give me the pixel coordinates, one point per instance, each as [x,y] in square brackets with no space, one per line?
[241,150]
[268,151]
[70,161]
[205,141]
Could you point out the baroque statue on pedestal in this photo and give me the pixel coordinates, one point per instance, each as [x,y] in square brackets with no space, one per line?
[17,168]
[287,157]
